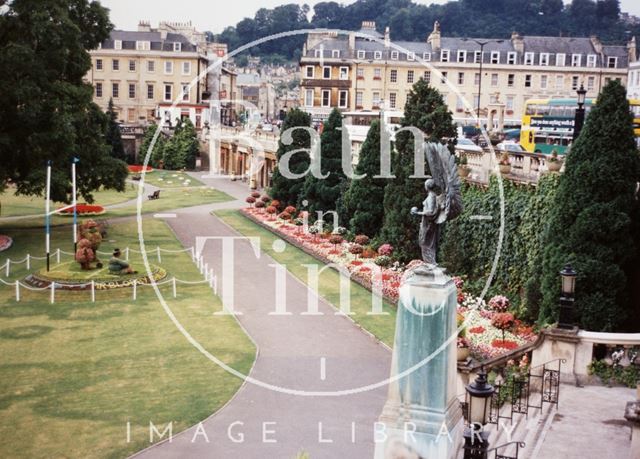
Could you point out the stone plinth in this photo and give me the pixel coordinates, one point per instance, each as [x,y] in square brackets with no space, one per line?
[422,416]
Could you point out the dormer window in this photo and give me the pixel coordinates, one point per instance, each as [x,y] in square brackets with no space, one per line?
[592,60]
[335,53]
[561,59]
[444,56]
[177,47]
[462,55]
[612,62]
[411,56]
[512,58]
[528,58]
[576,60]
[143,45]
[477,57]
[117,44]
[361,54]
[394,55]
[544,59]
[318,53]
[377,55]
[426,57]
[495,57]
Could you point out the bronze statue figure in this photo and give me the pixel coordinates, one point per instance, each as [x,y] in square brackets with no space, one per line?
[443,201]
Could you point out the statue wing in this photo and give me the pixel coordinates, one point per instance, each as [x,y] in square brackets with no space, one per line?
[445,174]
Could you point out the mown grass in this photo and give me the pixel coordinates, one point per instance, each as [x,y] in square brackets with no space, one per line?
[170,179]
[381,326]
[74,373]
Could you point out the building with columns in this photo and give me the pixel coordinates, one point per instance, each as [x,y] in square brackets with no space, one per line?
[366,70]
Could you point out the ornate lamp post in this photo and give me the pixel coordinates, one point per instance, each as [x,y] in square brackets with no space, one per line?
[580,112]
[565,318]
[476,439]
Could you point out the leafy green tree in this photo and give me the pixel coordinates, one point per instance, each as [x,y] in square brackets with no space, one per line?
[112,135]
[322,194]
[426,110]
[157,154]
[591,225]
[181,150]
[363,200]
[284,189]
[46,108]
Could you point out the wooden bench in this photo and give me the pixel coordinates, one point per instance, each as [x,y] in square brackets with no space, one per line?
[154,195]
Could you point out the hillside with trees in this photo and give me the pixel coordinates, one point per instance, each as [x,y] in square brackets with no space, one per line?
[412,21]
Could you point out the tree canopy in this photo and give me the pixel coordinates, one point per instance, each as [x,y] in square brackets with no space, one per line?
[46,110]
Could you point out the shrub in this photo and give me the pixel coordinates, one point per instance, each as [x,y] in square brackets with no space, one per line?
[260,205]
[383,261]
[255,194]
[265,198]
[272,210]
[369,253]
[340,230]
[356,249]
[385,250]
[275,203]
[336,239]
[290,210]
[250,200]
[361,239]
[499,303]
[285,216]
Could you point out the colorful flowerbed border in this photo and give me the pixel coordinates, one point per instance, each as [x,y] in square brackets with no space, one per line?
[41,280]
[137,169]
[83,210]
[5,242]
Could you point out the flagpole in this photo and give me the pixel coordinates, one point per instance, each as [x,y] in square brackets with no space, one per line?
[75,204]
[48,215]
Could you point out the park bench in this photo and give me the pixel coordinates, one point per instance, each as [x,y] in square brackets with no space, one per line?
[154,195]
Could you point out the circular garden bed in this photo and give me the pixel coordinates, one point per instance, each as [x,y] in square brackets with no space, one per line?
[5,242]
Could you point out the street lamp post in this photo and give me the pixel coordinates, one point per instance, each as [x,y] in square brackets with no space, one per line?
[482,44]
[476,439]
[565,317]
[580,113]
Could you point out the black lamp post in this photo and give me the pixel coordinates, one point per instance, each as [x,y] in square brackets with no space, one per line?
[476,439]
[580,112]
[482,44]
[565,317]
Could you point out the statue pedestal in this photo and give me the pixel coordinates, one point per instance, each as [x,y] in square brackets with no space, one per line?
[422,416]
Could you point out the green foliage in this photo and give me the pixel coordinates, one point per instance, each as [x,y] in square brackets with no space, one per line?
[46,108]
[157,154]
[112,135]
[284,189]
[322,194]
[362,202]
[426,110]
[469,246]
[591,224]
[628,376]
[181,150]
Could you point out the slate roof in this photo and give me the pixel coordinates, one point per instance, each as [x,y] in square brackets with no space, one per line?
[129,39]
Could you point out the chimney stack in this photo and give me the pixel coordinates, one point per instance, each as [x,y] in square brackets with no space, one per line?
[434,38]
[596,43]
[387,37]
[632,50]
[144,26]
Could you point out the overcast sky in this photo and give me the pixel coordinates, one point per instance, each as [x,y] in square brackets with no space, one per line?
[209,15]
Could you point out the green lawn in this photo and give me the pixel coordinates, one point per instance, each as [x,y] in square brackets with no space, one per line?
[382,326]
[170,199]
[72,374]
[170,179]
[12,205]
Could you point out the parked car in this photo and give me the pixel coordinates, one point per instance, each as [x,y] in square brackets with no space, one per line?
[510,147]
[465,145]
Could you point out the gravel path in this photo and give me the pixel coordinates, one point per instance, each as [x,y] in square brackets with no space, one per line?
[293,350]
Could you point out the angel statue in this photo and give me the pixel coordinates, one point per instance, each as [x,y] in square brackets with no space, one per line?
[443,201]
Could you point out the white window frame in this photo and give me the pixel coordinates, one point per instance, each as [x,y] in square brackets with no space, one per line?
[177,47]
[335,53]
[313,71]
[544,59]
[561,60]
[529,58]
[512,77]
[445,55]
[592,60]
[394,55]
[361,54]
[184,90]
[477,56]
[575,82]
[99,89]
[512,58]
[495,81]
[544,81]
[343,73]
[346,99]
[153,91]
[143,45]
[99,65]
[615,62]
[359,99]
[318,52]
[325,91]
[393,100]
[495,56]
[117,44]
[375,97]
[591,83]
[411,76]
[528,80]
[308,96]
[164,92]
[377,55]
[393,76]
[135,65]
[186,65]
[324,68]
[151,66]
[115,65]
[460,78]
[377,73]
[462,56]
[576,60]
[426,57]
[135,90]
[426,76]
[168,67]
[115,90]
[510,102]
[559,82]
[411,56]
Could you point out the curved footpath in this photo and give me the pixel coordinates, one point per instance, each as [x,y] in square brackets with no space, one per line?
[263,423]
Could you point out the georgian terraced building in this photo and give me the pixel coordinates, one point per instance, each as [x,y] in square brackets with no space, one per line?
[365,71]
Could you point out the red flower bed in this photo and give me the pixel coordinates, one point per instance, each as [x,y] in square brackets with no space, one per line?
[356,263]
[508,345]
[478,329]
[5,242]
[84,209]
[137,169]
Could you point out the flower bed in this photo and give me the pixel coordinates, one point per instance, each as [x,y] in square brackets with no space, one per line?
[483,338]
[5,242]
[138,169]
[83,209]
